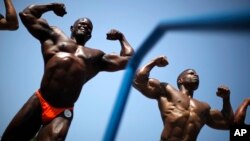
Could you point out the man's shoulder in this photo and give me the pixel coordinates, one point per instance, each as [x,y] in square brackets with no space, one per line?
[89,49]
[57,30]
[202,104]
[93,51]
[168,86]
[168,89]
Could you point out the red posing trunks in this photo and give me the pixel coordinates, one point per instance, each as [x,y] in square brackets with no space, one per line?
[49,112]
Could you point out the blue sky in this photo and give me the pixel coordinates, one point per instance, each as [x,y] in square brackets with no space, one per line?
[218,57]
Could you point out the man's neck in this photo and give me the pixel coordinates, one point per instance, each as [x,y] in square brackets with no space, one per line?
[187,92]
[79,41]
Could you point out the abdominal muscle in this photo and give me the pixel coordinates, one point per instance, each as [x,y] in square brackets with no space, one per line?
[179,124]
[63,79]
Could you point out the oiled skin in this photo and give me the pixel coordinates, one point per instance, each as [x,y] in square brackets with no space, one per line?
[68,65]
[182,115]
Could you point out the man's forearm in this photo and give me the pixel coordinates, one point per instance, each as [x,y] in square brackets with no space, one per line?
[10,10]
[126,49]
[143,74]
[11,15]
[38,10]
[227,110]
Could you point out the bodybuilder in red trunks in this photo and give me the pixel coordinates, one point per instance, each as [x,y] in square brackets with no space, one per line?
[69,64]
[182,115]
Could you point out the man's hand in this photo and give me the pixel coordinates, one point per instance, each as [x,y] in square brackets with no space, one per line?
[223,92]
[161,61]
[114,34]
[59,9]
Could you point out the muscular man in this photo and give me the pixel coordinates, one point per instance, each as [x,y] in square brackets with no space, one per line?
[10,21]
[182,115]
[240,114]
[69,64]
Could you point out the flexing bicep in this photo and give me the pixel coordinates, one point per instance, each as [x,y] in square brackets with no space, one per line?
[10,21]
[217,120]
[150,88]
[114,62]
[7,24]
[38,27]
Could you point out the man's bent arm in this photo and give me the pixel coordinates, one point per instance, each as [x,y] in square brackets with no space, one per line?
[10,22]
[224,118]
[142,75]
[31,18]
[126,49]
[240,114]
[114,62]
[149,87]
[227,110]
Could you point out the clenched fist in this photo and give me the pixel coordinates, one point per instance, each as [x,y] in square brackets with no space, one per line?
[223,91]
[161,61]
[114,34]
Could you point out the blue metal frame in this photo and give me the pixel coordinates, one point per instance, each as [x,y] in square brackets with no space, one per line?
[229,21]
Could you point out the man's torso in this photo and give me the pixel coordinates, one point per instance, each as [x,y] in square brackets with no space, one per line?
[183,116]
[68,66]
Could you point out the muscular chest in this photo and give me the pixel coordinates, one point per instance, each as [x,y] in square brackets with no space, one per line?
[63,49]
[174,109]
[198,111]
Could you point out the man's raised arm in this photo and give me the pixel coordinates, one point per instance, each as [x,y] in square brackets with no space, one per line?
[10,21]
[149,87]
[224,118]
[114,62]
[126,49]
[240,114]
[38,27]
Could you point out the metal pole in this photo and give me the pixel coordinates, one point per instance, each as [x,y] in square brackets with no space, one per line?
[230,21]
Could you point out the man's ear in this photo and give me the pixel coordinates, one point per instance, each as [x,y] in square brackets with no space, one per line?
[179,81]
[71,28]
